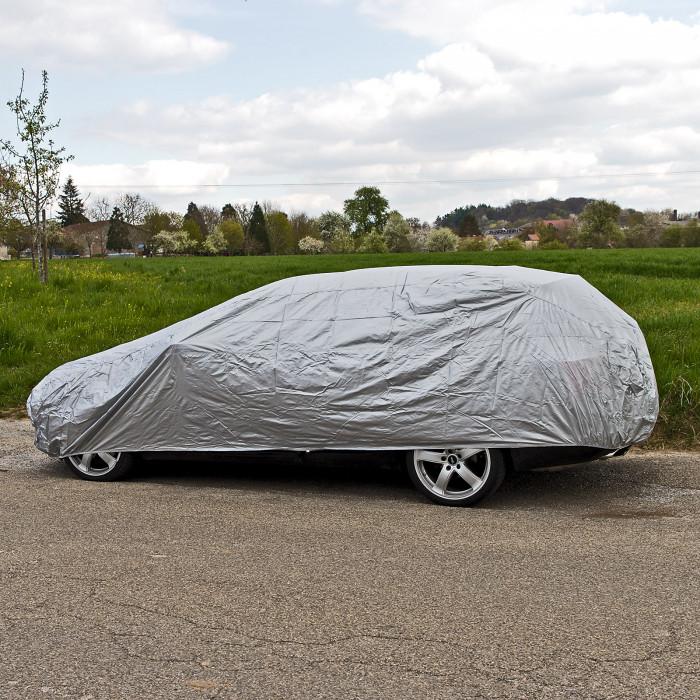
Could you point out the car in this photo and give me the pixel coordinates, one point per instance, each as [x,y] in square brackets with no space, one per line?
[466,370]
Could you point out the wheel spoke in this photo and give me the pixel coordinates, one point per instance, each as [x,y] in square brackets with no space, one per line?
[85,461]
[469,476]
[443,479]
[109,459]
[429,456]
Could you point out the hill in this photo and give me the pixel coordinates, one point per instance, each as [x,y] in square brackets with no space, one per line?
[518,212]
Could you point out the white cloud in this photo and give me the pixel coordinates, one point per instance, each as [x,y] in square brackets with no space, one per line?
[136,34]
[552,90]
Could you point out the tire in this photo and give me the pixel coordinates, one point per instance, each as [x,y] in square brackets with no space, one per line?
[101,466]
[456,476]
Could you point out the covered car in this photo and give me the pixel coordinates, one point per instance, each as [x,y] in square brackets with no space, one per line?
[439,359]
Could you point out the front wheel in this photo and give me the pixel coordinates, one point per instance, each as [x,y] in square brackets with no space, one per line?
[101,466]
[456,476]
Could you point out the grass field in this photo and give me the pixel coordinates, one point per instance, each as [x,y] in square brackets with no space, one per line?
[90,305]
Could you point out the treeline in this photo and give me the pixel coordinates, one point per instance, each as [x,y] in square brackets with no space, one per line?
[516,213]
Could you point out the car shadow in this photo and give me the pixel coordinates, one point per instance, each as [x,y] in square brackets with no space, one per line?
[382,476]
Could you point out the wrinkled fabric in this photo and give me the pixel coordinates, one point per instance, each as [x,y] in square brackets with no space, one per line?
[384,358]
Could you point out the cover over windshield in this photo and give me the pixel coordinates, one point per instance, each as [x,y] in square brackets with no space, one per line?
[384,358]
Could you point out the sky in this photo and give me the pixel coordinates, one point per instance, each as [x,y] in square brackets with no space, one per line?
[441,103]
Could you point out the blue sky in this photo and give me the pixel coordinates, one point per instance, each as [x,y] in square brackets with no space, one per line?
[548,98]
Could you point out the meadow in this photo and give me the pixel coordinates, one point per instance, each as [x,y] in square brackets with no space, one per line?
[90,305]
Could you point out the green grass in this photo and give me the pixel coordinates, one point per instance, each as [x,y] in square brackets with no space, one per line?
[90,305]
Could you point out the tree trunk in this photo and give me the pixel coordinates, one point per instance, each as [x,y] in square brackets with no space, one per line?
[44,250]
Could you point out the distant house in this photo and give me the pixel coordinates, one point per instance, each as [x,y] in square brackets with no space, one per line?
[92,236]
[501,233]
[532,240]
[4,252]
[560,225]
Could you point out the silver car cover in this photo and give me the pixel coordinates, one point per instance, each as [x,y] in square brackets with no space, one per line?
[384,358]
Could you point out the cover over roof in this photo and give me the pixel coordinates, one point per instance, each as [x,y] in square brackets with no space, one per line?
[384,358]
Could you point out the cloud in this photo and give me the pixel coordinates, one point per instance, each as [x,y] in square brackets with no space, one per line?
[532,98]
[136,34]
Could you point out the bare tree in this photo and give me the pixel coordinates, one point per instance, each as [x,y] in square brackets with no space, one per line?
[100,209]
[134,207]
[36,162]
[212,216]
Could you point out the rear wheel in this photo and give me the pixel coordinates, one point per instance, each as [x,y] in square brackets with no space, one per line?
[101,466]
[456,476]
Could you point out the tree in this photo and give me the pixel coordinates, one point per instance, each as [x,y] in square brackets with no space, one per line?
[373,242]
[216,242]
[118,235]
[9,187]
[311,246]
[211,216]
[71,209]
[396,232]
[598,227]
[101,209]
[366,210]
[691,234]
[257,232]
[228,212]
[199,231]
[468,226]
[172,242]
[134,207]
[672,236]
[36,162]
[280,233]
[442,240]
[194,234]
[233,234]
[331,223]
[303,225]
[16,235]
[153,223]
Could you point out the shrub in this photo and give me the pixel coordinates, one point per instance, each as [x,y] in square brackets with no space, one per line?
[173,242]
[215,243]
[341,242]
[232,231]
[310,246]
[396,233]
[373,242]
[510,244]
[553,245]
[473,243]
[442,240]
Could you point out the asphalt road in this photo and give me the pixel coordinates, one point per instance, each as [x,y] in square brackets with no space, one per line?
[271,579]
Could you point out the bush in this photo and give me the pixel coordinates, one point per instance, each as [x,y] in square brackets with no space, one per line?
[473,243]
[396,233]
[442,240]
[232,231]
[173,242]
[373,242]
[510,244]
[553,245]
[215,243]
[310,246]
[341,242]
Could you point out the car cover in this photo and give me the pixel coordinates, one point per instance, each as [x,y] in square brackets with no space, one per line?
[383,358]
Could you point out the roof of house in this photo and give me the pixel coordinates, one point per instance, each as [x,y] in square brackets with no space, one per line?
[559,224]
[533,236]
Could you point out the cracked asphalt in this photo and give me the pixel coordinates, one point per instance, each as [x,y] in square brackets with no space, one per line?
[270,578]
